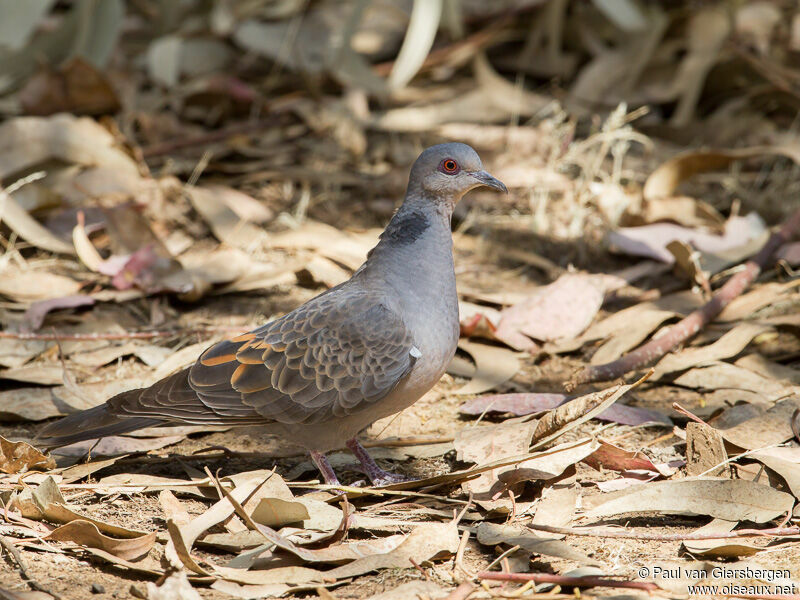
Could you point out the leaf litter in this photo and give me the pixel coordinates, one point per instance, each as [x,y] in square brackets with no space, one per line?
[195,198]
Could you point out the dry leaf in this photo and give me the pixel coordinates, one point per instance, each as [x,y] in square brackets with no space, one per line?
[32,286]
[492,534]
[21,223]
[730,344]
[493,367]
[720,548]
[579,410]
[769,428]
[562,309]
[85,533]
[491,443]
[21,457]
[226,225]
[76,87]
[729,499]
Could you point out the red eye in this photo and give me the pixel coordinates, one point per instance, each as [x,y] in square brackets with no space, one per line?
[449,166]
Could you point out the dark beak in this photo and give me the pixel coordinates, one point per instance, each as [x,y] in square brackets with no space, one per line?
[490,181]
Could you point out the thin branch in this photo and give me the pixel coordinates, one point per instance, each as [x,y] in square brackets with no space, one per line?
[127,335]
[669,537]
[565,581]
[694,322]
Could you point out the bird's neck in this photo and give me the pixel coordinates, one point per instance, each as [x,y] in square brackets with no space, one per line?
[415,251]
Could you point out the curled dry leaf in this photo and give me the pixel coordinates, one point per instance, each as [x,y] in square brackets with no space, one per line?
[652,241]
[719,549]
[666,178]
[30,285]
[21,457]
[26,227]
[85,533]
[729,499]
[579,410]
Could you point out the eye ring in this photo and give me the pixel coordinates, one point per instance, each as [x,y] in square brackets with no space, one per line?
[449,166]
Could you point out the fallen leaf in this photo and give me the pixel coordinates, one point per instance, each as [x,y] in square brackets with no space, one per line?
[556,508]
[226,225]
[719,548]
[21,457]
[768,428]
[788,471]
[174,587]
[534,403]
[613,457]
[666,178]
[36,313]
[85,533]
[31,141]
[563,309]
[25,226]
[492,534]
[76,87]
[725,376]
[32,286]
[493,367]
[46,502]
[651,241]
[579,410]
[730,344]
[769,369]
[38,373]
[729,499]
[36,404]
[490,443]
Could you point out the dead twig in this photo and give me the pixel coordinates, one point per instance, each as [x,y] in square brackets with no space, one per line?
[695,321]
[669,537]
[563,580]
[127,335]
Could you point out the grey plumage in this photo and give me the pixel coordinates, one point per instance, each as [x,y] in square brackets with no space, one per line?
[360,351]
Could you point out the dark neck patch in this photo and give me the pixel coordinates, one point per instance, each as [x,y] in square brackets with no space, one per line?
[406,227]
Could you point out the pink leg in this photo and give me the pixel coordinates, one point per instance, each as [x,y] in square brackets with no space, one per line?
[376,475]
[324,467]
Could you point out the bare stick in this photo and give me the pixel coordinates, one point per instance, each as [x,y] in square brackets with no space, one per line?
[563,580]
[695,321]
[669,537]
[127,335]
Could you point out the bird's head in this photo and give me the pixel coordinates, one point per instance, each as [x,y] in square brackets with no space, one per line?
[448,171]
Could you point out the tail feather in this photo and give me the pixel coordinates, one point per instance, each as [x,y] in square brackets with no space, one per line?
[90,424]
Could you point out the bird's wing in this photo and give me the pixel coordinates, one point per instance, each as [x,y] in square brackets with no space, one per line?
[333,356]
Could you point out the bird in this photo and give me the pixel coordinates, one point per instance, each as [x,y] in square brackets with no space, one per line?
[360,351]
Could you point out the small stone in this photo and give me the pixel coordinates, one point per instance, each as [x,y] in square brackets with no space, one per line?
[138,592]
[98,589]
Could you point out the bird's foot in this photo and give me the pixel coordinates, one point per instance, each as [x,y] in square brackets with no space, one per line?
[371,469]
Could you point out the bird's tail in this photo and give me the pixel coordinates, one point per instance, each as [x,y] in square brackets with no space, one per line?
[90,424]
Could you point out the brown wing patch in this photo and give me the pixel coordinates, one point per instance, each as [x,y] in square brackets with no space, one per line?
[213,361]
